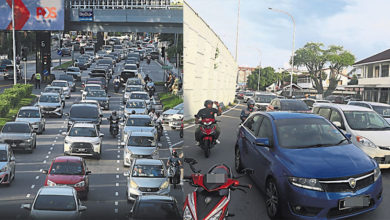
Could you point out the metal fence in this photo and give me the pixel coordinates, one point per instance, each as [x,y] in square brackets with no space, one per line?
[126,4]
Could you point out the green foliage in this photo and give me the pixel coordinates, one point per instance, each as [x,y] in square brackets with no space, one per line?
[354,80]
[63,66]
[168,100]
[10,98]
[267,77]
[8,116]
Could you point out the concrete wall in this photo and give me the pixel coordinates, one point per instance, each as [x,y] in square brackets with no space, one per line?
[205,77]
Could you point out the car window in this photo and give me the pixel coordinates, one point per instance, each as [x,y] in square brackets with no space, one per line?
[55,203]
[366,120]
[135,104]
[139,122]
[16,128]
[253,124]
[151,171]
[67,168]
[335,116]
[29,114]
[382,110]
[84,112]
[324,112]
[139,96]
[309,103]
[82,132]
[265,130]
[3,156]
[161,210]
[293,105]
[138,141]
[49,98]
[96,93]
[59,84]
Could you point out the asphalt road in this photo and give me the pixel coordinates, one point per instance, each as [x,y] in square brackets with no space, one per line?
[106,199]
[251,205]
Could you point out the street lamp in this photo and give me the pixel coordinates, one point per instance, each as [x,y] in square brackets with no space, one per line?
[238,22]
[258,77]
[13,40]
[293,45]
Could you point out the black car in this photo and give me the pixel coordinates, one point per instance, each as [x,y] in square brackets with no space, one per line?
[4,63]
[100,72]
[102,81]
[336,99]
[155,55]
[82,63]
[87,113]
[291,105]
[126,74]
[157,207]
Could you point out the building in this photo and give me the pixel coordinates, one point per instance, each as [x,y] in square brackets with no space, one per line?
[374,80]
[304,80]
[243,74]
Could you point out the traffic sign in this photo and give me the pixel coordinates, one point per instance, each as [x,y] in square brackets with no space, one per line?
[45,72]
[59,52]
[166,67]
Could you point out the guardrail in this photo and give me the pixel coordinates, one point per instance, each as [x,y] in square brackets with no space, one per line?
[125,4]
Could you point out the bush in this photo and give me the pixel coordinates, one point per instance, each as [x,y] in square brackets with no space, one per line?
[169,100]
[11,97]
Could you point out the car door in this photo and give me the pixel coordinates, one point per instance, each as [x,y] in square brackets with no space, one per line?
[11,159]
[249,140]
[262,156]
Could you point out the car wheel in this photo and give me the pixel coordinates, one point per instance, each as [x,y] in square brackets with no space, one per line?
[237,161]
[35,144]
[272,199]
[44,127]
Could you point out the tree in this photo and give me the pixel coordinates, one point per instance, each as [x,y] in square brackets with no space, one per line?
[314,58]
[354,80]
[285,77]
[267,78]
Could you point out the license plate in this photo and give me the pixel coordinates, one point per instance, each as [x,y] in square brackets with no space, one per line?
[81,150]
[354,202]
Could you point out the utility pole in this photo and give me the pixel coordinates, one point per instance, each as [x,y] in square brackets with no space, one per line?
[13,40]
[237,30]
[258,78]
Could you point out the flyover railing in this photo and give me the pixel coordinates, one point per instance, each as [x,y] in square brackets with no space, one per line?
[126,4]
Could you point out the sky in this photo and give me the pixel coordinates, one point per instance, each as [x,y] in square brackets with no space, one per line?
[360,26]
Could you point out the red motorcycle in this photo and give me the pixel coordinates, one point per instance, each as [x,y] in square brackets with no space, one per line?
[208,132]
[210,199]
[182,128]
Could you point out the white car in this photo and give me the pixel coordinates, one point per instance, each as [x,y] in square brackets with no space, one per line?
[369,131]
[129,89]
[66,88]
[171,111]
[89,87]
[83,139]
[248,95]
[175,120]
[140,145]
[380,108]
[141,96]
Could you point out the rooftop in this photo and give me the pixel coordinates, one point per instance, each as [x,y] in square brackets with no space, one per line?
[384,55]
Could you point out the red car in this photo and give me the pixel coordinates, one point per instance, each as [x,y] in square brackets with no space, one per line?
[69,171]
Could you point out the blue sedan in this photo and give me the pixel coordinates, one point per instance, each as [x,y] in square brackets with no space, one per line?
[306,167]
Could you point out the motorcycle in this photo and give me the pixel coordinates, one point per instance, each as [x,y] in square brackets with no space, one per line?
[174,174]
[114,127]
[148,60]
[207,129]
[150,88]
[160,129]
[211,197]
[116,86]
[182,128]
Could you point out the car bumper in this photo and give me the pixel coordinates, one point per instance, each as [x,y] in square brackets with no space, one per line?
[5,177]
[175,124]
[87,152]
[326,204]
[133,194]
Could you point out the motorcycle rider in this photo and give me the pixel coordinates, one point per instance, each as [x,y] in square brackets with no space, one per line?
[147,78]
[208,112]
[246,112]
[113,117]
[174,159]
[152,113]
[117,83]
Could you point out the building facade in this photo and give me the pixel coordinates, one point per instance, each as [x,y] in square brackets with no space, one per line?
[243,74]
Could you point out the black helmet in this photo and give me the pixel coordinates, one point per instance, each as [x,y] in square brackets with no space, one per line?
[133,112]
[250,102]
[114,113]
[174,153]
[207,102]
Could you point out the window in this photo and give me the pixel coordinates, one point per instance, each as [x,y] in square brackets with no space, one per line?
[253,124]
[385,70]
[336,117]
[324,112]
[376,72]
[266,130]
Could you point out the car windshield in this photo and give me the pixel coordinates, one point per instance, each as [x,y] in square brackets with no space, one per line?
[28,113]
[178,107]
[16,128]
[143,96]
[135,104]
[74,69]
[67,168]
[82,132]
[382,110]
[161,210]
[143,122]
[84,112]
[264,98]
[151,171]
[138,141]
[89,88]
[293,105]
[49,98]
[134,82]
[3,156]
[59,84]
[130,67]
[366,120]
[104,61]
[133,88]
[66,77]
[55,203]
[307,132]
[96,93]
[51,89]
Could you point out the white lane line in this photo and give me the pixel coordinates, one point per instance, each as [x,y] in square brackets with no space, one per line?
[52,144]
[117,161]
[60,131]
[117,176]
[37,177]
[117,169]
[51,148]
[28,196]
[119,147]
[56,137]
[55,141]
[116,194]
[116,202]
[116,184]
[119,151]
[40,170]
[47,156]
[33,186]
[119,156]
[116,210]
[44,161]
[49,152]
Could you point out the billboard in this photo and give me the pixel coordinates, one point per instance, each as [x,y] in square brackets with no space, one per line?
[85,15]
[32,14]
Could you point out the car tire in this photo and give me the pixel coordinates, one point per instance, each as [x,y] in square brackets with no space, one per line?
[237,160]
[272,201]
[35,144]
[44,128]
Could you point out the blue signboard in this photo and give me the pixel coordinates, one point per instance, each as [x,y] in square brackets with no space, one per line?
[85,15]
[32,14]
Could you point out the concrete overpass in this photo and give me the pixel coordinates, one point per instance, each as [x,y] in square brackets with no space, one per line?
[153,16]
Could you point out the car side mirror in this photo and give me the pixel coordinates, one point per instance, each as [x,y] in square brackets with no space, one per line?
[264,142]
[66,114]
[45,171]
[82,208]
[338,124]
[101,115]
[126,174]
[349,136]
[123,143]
[63,133]
[26,206]
[101,135]
[88,172]
[12,158]
[276,107]
[109,96]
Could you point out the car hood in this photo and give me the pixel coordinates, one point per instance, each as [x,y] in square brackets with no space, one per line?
[65,179]
[29,120]
[149,182]
[141,150]
[84,119]
[137,110]
[139,129]
[379,138]
[49,104]
[170,112]
[82,139]
[327,162]
[15,136]
[49,215]
[3,164]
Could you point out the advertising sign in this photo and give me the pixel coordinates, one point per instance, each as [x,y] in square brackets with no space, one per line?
[85,15]
[32,14]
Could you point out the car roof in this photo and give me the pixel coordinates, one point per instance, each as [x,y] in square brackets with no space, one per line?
[29,108]
[49,93]
[92,84]
[3,146]
[83,125]
[142,134]
[135,100]
[17,122]
[67,158]
[56,190]
[88,101]
[343,107]
[139,92]
[156,198]
[59,81]
[148,162]
[83,104]
[373,103]
[289,115]
[54,87]
[138,116]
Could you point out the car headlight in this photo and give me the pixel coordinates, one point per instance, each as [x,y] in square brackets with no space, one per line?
[164,185]
[51,183]
[133,184]
[29,140]
[377,173]
[187,214]
[306,183]
[216,216]
[80,184]
[5,168]
[365,142]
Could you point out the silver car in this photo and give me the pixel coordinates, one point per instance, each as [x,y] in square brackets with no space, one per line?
[56,89]
[146,177]
[136,105]
[50,104]
[141,96]
[32,115]
[140,145]
[7,164]
[64,85]
[55,202]
[129,89]
[19,135]
[83,139]
[137,123]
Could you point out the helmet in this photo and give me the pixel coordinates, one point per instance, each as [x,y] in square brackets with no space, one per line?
[250,102]
[114,113]
[133,112]
[152,110]
[207,102]
[174,153]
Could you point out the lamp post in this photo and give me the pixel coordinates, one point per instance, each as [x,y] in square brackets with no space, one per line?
[293,45]
[258,77]
[237,30]
[13,40]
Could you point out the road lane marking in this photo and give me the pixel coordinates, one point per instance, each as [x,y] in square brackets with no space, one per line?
[117,169]
[117,176]
[44,161]
[47,156]
[116,210]
[116,184]
[40,170]
[37,177]
[119,156]
[116,194]
[117,161]
[180,142]
[116,203]
[51,148]
[28,196]
[33,186]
